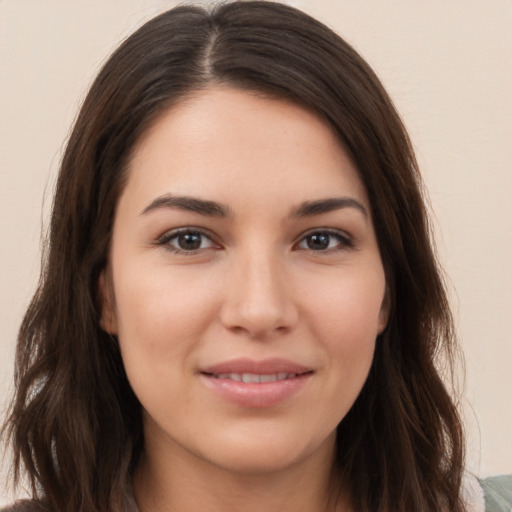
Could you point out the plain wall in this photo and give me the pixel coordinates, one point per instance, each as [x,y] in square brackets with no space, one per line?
[448,67]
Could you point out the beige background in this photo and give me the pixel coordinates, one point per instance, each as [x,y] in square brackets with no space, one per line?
[447,64]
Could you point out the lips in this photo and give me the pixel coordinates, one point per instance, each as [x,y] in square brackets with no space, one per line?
[254,377]
[266,367]
[249,383]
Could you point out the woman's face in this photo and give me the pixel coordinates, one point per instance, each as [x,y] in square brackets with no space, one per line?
[245,283]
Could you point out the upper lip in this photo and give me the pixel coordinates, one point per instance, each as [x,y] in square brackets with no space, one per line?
[263,367]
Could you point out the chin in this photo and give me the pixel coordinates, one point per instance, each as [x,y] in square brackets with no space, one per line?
[267,452]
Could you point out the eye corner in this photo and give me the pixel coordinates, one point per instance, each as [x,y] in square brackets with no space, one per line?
[325,241]
[188,241]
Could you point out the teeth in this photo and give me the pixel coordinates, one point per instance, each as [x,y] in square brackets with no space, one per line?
[230,376]
[252,378]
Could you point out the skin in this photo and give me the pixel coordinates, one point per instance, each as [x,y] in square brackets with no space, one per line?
[256,286]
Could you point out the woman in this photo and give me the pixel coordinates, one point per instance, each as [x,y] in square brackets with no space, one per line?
[240,306]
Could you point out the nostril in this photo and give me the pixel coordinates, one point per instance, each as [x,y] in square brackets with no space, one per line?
[258,305]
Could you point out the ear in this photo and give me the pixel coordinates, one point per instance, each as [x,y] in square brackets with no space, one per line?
[384,312]
[108,320]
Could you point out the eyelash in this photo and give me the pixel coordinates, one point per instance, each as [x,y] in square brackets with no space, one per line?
[344,241]
[166,239]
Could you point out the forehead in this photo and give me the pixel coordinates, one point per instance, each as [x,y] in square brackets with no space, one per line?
[222,141]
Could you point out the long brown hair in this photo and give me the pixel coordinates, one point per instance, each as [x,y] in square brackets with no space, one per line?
[75,424]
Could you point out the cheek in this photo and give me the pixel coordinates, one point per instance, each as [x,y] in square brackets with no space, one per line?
[344,316]
[348,307]
[161,321]
[161,313]
[343,319]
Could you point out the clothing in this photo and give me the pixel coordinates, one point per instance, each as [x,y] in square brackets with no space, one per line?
[489,495]
[492,494]
[498,493]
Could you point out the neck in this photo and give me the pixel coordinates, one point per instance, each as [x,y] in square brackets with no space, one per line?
[183,482]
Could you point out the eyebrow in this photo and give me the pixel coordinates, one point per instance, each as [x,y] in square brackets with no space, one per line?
[214,209]
[191,204]
[311,208]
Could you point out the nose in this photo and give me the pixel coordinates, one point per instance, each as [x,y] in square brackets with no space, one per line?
[258,302]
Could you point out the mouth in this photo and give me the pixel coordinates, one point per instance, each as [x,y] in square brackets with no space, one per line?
[256,384]
[253,378]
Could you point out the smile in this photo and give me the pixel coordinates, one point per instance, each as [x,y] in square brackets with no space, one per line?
[254,377]
[256,384]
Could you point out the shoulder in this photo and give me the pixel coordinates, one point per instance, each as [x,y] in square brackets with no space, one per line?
[497,493]
[493,494]
[496,490]
[25,506]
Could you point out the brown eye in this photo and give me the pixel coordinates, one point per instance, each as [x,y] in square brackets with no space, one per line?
[186,241]
[318,242]
[325,241]
[189,241]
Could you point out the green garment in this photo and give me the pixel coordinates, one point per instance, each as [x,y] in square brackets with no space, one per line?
[497,493]
[497,496]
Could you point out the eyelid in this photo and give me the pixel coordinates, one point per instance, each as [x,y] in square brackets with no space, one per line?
[346,240]
[165,238]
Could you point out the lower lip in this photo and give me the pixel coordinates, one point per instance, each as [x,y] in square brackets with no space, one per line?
[256,395]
